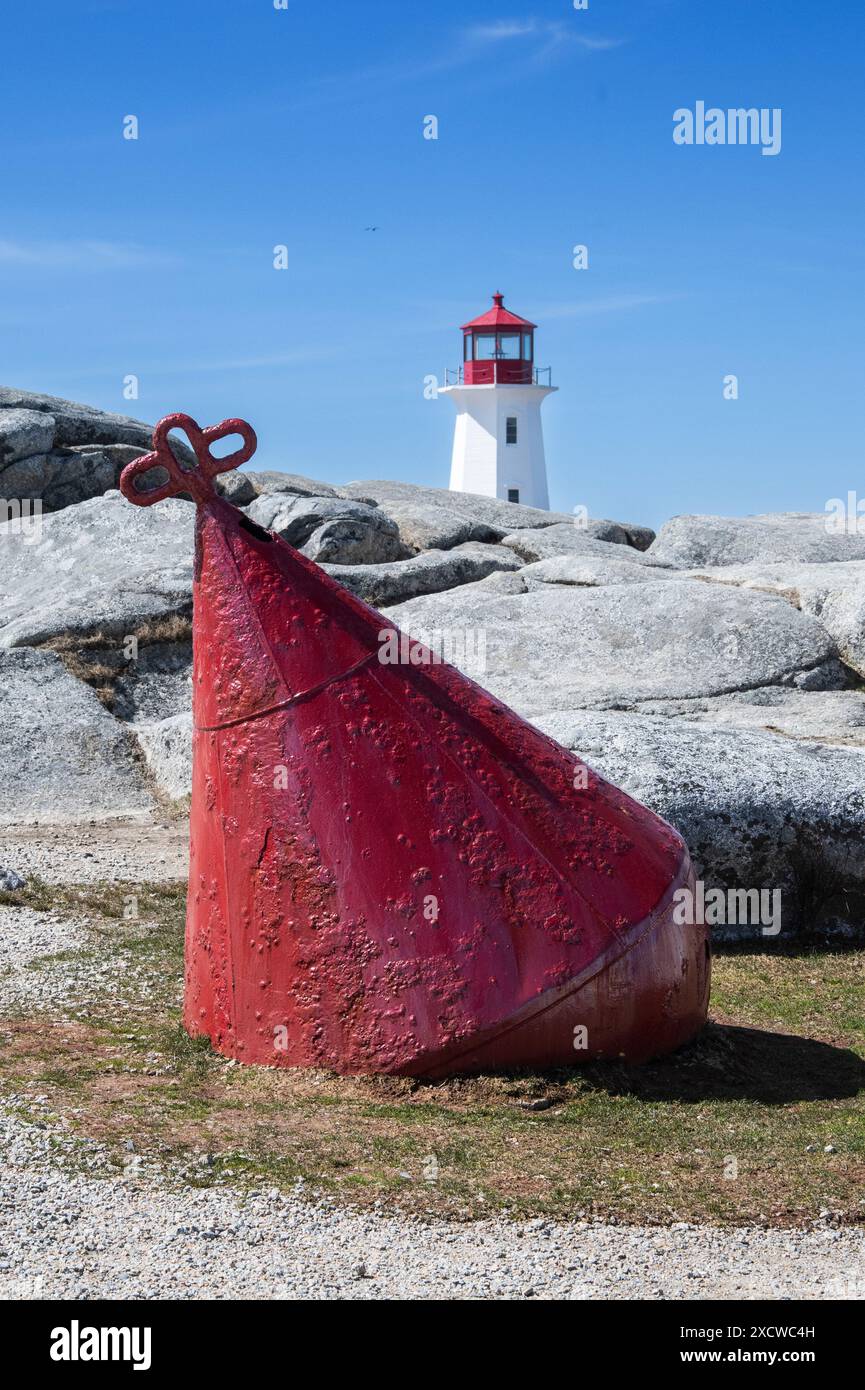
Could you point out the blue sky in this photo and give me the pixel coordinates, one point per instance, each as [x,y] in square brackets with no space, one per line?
[304,127]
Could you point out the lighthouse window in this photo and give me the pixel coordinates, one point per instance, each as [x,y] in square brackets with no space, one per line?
[513,494]
[468,348]
[509,346]
[527,347]
[511,437]
[485,347]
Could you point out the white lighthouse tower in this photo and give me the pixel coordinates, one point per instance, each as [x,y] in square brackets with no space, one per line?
[498,439]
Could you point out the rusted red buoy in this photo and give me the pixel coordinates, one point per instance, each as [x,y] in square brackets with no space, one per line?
[390,871]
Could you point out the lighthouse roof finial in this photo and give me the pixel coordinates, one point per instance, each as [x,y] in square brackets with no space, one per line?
[498,299]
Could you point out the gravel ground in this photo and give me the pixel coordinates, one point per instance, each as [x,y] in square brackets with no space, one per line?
[79,1235]
[58,962]
[27,936]
[117,851]
[73,1226]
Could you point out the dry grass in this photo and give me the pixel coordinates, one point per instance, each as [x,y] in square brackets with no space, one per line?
[776,1077]
[98,659]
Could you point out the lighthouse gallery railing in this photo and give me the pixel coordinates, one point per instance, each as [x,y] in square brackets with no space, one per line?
[499,374]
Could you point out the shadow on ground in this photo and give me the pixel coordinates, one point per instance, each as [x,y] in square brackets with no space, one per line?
[732,1063]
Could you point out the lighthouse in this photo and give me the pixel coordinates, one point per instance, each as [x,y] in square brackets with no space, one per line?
[498,391]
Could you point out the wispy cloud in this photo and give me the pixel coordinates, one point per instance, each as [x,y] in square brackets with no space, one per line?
[550,34]
[501,29]
[542,40]
[81,255]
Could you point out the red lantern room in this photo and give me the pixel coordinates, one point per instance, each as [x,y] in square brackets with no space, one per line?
[498,348]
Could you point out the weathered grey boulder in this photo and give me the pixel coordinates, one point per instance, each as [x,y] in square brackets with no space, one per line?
[816,716]
[118,454]
[591,570]
[78,424]
[502,517]
[62,453]
[236,487]
[100,565]
[167,749]
[429,573]
[61,478]
[757,811]
[614,532]
[499,582]
[639,537]
[564,538]
[65,758]
[563,646]
[581,570]
[156,684]
[350,541]
[241,488]
[435,526]
[330,530]
[833,592]
[10,881]
[691,542]
[24,433]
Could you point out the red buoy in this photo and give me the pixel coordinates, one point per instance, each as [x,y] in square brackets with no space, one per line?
[390,871]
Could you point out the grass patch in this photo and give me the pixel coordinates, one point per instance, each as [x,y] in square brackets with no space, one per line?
[732,1129]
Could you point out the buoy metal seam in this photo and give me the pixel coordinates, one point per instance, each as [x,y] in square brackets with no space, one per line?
[292,699]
